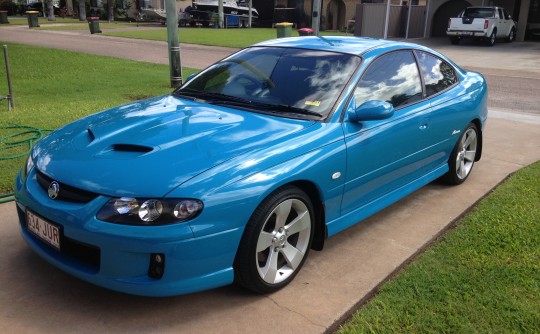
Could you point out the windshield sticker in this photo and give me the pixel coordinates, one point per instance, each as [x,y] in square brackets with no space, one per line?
[312,103]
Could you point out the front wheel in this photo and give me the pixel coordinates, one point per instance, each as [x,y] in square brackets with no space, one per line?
[511,36]
[276,241]
[463,156]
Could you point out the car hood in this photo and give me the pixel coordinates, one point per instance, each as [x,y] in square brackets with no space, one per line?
[150,147]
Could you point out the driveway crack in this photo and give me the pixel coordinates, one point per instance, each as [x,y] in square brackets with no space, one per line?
[296,312]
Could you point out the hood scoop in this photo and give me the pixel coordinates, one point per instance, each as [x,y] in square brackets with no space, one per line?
[124,151]
[131,148]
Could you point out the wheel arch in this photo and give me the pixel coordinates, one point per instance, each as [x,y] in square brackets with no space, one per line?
[478,124]
[320,230]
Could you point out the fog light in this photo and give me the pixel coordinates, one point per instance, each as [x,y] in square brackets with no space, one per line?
[157,265]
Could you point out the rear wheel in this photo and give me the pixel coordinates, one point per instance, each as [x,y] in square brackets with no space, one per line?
[276,241]
[492,38]
[463,156]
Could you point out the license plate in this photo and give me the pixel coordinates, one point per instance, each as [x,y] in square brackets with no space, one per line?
[44,230]
[466,33]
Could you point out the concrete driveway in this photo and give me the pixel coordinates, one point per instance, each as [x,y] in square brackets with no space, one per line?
[37,298]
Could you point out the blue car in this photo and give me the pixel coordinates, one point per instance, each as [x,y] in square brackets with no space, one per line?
[239,173]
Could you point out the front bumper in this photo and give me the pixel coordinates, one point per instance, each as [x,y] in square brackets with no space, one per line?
[117,257]
[466,34]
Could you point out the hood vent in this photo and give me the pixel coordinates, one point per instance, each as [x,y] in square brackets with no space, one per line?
[132,148]
[91,135]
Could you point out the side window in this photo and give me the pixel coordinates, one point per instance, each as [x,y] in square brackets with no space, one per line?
[501,15]
[392,78]
[506,16]
[437,74]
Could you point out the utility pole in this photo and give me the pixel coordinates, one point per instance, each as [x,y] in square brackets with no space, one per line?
[250,15]
[316,16]
[220,14]
[173,43]
[387,19]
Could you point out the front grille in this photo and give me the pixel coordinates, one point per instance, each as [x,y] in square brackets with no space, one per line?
[66,193]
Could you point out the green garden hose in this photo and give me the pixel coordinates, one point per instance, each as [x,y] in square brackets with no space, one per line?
[21,139]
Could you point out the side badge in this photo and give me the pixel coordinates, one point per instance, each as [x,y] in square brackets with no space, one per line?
[336,175]
[455,132]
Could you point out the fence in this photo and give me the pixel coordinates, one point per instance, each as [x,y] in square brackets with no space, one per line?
[370,20]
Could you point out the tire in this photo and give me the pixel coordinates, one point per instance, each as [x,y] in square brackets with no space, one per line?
[492,38]
[511,36]
[276,241]
[463,156]
[454,40]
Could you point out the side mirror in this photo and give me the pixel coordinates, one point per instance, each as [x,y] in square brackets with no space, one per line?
[372,110]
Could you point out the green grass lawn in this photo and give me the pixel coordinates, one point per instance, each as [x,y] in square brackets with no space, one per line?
[102,24]
[482,277]
[54,87]
[22,20]
[84,26]
[235,38]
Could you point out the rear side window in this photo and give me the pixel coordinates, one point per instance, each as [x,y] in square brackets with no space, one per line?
[438,75]
[392,78]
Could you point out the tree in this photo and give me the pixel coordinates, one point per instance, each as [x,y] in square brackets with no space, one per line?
[50,16]
[110,10]
[69,5]
[82,10]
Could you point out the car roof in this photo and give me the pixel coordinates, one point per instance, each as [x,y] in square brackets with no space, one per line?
[342,44]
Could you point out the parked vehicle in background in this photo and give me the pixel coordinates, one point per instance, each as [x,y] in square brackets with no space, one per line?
[39,7]
[482,23]
[205,13]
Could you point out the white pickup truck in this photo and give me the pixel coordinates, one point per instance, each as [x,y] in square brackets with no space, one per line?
[486,23]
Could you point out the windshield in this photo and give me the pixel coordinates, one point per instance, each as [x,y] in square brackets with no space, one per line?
[291,82]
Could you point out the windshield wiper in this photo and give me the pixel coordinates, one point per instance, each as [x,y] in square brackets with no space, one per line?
[286,108]
[209,96]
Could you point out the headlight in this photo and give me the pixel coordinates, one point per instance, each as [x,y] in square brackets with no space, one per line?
[28,166]
[145,211]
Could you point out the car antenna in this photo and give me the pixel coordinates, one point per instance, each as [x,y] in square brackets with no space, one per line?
[325,40]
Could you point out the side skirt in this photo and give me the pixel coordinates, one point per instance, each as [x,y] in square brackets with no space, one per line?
[377,205]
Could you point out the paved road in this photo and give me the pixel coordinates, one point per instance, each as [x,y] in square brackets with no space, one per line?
[37,298]
[514,93]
